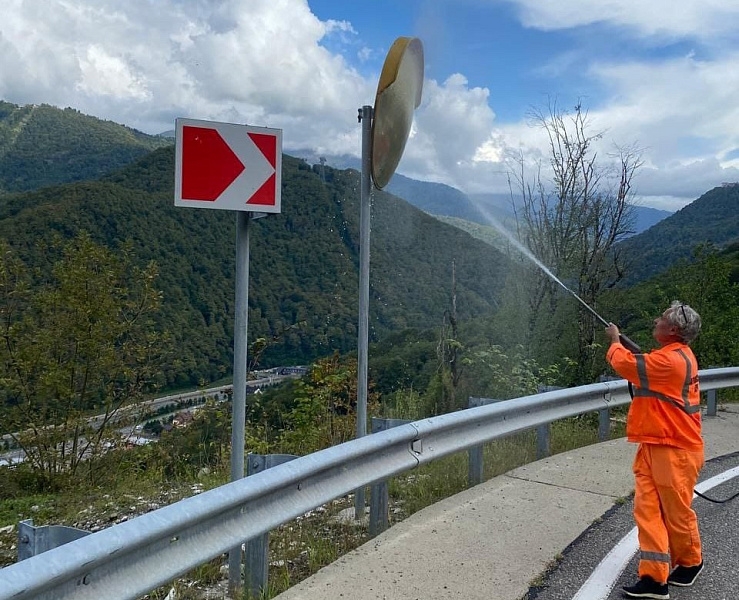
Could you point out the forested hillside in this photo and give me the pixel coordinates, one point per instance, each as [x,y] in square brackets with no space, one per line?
[435,198]
[713,218]
[303,293]
[304,262]
[42,145]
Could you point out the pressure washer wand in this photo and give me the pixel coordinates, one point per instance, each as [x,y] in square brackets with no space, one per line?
[630,345]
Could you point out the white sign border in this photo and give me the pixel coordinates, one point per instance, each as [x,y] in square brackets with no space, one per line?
[236,136]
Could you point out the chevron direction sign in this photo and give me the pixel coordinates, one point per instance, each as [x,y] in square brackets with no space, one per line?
[227,166]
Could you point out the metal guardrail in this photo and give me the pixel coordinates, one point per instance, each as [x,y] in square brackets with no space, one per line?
[128,560]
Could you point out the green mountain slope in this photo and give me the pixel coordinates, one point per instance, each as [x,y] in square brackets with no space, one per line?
[445,201]
[713,218]
[435,198]
[303,264]
[42,145]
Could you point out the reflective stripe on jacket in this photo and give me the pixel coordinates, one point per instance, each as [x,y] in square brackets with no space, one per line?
[666,405]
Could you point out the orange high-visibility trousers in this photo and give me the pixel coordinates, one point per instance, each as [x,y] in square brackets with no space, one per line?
[668,527]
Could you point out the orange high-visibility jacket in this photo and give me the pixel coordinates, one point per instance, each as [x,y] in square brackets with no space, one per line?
[666,405]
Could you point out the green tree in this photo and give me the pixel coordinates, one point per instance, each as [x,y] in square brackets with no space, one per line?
[708,288]
[324,409]
[706,283]
[442,390]
[205,443]
[504,375]
[77,349]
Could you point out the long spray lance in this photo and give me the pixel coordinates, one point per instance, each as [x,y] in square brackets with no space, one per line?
[626,342]
[630,345]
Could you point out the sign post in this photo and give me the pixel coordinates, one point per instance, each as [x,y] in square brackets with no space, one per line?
[231,167]
[385,130]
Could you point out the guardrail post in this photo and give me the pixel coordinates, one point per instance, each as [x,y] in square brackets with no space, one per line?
[604,424]
[543,445]
[35,540]
[543,432]
[474,454]
[379,506]
[379,500]
[256,561]
[712,403]
[604,415]
[474,466]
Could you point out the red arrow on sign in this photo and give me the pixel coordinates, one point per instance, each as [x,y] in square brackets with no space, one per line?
[267,144]
[227,166]
[209,165]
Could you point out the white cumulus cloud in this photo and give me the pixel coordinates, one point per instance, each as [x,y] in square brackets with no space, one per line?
[274,63]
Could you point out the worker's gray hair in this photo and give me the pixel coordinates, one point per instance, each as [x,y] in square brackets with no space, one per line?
[685,319]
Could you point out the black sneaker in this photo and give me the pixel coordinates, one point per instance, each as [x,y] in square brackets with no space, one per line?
[685,576]
[647,587]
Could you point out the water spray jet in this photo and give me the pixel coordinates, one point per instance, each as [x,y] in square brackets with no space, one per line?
[630,345]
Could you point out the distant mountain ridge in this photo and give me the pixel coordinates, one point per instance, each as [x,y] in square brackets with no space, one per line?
[713,218]
[443,200]
[435,198]
[647,217]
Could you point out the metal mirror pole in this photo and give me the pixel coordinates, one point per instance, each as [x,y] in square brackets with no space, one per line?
[365,117]
[239,385]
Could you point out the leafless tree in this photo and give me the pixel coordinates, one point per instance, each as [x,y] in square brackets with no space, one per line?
[572,218]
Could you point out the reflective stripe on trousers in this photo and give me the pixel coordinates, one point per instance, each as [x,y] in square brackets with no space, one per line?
[667,525]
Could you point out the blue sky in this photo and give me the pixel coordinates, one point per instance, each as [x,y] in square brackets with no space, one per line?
[485,42]
[661,76]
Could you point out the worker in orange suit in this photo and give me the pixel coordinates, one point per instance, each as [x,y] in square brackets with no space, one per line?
[665,420]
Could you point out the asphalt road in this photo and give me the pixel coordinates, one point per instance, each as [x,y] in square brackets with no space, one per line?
[719,526]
